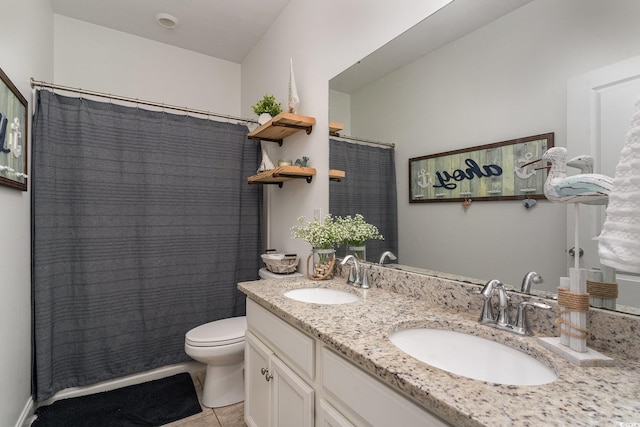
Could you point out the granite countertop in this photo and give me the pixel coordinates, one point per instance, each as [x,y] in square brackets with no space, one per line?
[594,396]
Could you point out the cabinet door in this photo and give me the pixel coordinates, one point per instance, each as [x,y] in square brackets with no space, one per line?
[291,397]
[256,385]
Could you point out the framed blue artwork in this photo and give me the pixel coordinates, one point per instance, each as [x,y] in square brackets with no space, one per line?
[484,172]
[13,135]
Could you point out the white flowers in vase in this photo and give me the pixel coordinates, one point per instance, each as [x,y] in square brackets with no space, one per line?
[332,232]
[356,231]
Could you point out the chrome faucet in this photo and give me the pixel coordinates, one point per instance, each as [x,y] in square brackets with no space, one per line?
[530,278]
[503,319]
[357,275]
[386,254]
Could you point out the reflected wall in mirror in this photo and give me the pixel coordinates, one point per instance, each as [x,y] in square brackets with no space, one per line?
[473,73]
[369,189]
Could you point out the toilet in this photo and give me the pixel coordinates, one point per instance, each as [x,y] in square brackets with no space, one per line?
[220,345]
[266,274]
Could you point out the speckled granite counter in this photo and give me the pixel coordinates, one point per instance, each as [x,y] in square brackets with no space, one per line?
[359,331]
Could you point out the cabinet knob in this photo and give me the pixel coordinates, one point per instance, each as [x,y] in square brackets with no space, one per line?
[268,377]
[264,371]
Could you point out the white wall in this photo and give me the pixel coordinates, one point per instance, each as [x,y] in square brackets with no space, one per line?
[323,38]
[80,55]
[27,50]
[504,81]
[99,59]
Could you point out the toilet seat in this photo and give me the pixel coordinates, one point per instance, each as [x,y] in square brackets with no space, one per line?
[218,333]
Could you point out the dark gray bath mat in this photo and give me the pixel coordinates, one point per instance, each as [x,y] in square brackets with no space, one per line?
[153,403]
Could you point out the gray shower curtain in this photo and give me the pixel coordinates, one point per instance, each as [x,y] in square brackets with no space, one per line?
[142,224]
[368,189]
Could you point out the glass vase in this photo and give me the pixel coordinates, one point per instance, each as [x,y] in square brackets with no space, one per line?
[323,264]
[358,251]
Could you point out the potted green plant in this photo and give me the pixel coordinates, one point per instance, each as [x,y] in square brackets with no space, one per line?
[267,108]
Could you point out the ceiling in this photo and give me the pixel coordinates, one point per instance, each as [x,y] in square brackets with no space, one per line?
[454,21]
[223,29]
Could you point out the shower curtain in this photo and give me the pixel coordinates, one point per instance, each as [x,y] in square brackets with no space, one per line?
[368,189]
[142,225]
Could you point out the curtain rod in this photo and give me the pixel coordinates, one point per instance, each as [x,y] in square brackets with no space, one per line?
[368,141]
[37,83]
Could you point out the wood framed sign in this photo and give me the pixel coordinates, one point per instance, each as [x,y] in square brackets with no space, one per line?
[484,172]
[13,135]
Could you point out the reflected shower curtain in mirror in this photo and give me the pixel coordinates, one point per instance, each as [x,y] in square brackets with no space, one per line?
[142,226]
[368,189]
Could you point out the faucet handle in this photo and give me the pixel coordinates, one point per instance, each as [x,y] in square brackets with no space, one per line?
[504,315]
[522,321]
[365,278]
[352,275]
[486,316]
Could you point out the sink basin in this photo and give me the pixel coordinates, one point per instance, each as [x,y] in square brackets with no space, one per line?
[321,296]
[472,357]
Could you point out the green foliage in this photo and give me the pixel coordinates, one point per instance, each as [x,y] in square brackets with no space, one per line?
[268,105]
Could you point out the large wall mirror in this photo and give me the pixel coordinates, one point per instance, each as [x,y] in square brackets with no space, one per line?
[480,72]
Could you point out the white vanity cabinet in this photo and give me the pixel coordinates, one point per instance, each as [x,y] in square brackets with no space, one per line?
[294,380]
[275,395]
[365,400]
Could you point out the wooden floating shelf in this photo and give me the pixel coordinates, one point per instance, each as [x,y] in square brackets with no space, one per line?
[336,175]
[281,174]
[335,127]
[281,126]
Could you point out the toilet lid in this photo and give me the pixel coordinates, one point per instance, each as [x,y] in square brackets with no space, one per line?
[218,333]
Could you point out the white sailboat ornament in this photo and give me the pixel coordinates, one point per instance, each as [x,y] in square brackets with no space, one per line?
[586,188]
[294,99]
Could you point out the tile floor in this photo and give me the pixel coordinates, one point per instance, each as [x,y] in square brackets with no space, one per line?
[228,416]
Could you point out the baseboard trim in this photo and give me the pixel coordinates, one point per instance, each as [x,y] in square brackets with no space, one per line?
[27,413]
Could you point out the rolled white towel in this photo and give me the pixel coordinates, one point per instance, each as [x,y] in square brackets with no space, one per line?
[619,241]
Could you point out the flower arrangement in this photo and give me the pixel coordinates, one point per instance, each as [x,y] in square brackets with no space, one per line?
[326,235]
[320,235]
[267,105]
[356,231]
[335,231]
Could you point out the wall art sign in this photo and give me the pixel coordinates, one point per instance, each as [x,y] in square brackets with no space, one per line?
[484,172]
[13,135]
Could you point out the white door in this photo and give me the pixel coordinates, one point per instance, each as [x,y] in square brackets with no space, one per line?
[599,108]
